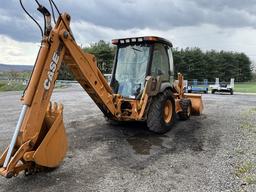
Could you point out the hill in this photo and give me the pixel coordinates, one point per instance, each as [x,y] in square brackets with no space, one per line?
[15,68]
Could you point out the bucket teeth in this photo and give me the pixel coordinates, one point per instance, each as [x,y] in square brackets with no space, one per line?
[60,107]
[53,107]
[49,106]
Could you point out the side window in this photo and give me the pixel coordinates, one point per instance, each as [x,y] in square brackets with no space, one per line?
[171,60]
[160,65]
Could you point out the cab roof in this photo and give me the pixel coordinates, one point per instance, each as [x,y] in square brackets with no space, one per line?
[136,40]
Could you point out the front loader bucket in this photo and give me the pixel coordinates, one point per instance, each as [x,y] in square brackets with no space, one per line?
[53,147]
[196,101]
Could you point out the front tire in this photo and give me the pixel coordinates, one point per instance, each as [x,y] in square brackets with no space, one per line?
[186,109]
[161,112]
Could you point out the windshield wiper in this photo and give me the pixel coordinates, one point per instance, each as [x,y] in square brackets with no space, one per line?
[135,49]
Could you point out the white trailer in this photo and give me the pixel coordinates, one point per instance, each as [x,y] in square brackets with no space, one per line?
[223,87]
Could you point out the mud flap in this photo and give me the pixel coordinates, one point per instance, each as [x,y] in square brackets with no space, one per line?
[53,147]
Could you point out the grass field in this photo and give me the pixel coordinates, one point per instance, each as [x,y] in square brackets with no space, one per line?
[11,87]
[249,87]
[18,86]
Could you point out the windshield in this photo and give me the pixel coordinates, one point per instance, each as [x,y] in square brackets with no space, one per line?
[131,69]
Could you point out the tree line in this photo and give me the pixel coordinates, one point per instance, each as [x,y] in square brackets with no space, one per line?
[196,64]
[193,63]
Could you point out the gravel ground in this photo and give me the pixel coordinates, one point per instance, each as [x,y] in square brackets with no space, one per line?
[212,152]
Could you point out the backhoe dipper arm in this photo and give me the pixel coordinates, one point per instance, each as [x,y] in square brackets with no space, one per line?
[58,48]
[40,137]
[86,72]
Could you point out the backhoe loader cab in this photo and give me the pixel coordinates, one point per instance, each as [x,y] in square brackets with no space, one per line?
[137,58]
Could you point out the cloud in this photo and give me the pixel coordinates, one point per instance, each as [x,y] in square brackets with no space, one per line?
[163,14]
[205,36]
[130,14]
[14,52]
[228,25]
[15,24]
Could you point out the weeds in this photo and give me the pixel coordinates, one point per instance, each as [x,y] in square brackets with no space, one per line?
[249,127]
[250,179]
[239,151]
[245,168]
[247,124]
[246,171]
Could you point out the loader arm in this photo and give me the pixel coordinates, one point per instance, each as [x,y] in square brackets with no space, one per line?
[40,137]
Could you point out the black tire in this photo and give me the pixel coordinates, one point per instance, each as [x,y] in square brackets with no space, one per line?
[157,119]
[231,92]
[186,109]
[213,91]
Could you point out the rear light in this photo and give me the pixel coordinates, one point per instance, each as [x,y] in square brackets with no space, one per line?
[115,41]
[150,38]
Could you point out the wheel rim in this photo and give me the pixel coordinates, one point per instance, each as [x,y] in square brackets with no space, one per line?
[167,111]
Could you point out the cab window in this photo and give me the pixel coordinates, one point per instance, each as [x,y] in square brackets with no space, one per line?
[171,60]
[160,61]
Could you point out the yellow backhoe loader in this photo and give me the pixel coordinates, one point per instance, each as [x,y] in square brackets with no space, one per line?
[142,88]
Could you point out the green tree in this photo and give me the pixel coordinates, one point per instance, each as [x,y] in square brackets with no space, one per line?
[104,53]
[65,73]
[195,64]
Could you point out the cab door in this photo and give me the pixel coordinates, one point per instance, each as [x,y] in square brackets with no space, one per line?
[162,62]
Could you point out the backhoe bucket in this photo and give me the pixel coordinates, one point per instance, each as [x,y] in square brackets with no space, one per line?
[48,150]
[196,101]
[53,147]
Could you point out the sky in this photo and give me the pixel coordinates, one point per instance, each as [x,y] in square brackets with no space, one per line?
[228,25]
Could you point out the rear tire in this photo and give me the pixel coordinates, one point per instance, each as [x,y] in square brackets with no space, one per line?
[213,91]
[186,109]
[161,112]
[231,92]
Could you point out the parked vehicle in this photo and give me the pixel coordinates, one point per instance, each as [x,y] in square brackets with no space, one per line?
[196,88]
[223,87]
